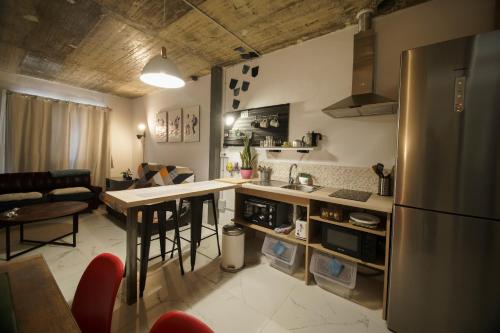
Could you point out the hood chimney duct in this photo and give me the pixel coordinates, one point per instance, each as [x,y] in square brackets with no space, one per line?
[363,101]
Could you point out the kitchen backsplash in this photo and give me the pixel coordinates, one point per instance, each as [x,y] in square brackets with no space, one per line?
[354,178]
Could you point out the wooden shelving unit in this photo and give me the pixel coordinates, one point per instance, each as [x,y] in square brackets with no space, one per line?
[370,292]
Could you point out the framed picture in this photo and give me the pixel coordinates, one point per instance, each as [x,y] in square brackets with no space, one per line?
[161,126]
[174,125]
[191,123]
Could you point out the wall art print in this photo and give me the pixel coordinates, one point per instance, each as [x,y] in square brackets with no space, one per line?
[174,125]
[191,123]
[161,126]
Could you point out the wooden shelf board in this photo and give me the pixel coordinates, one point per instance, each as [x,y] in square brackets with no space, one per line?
[379,231]
[285,148]
[319,247]
[289,238]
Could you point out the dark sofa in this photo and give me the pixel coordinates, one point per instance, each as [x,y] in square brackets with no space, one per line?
[44,182]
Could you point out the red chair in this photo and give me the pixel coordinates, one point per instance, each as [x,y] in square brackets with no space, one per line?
[179,322]
[95,295]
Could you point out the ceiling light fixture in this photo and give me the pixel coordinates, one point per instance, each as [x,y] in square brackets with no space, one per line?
[161,72]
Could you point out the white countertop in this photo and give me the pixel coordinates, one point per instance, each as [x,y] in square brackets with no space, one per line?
[375,202]
[152,195]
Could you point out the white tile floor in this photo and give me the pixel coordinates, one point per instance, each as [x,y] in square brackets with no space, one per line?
[256,299]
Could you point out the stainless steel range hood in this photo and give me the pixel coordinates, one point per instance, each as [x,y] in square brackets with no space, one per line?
[363,101]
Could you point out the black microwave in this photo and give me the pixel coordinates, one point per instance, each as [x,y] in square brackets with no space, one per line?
[354,243]
[267,213]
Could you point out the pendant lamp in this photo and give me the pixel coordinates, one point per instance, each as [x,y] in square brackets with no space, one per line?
[161,72]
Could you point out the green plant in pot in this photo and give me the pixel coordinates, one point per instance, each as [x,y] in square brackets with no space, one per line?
[247,159]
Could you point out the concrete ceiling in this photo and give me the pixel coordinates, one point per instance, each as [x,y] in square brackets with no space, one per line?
[104,44]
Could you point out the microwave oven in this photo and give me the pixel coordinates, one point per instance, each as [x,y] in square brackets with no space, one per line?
[267,213]
[354,243]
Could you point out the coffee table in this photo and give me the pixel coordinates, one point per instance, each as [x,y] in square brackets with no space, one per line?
[37,213]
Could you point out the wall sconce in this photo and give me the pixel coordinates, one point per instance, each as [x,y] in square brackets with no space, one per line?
[229,120]
[142,131]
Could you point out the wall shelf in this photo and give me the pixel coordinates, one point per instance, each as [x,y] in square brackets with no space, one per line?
[280,149]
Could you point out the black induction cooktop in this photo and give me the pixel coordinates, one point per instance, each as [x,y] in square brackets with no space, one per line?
[351,195]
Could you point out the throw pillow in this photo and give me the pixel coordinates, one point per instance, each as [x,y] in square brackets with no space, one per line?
[69,190]
[20,196]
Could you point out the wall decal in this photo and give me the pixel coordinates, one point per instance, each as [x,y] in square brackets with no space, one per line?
[191,123]
[245,85]
[175,125]
[236,104]
[255,71]
[233,83]
[161,126]
[248,72]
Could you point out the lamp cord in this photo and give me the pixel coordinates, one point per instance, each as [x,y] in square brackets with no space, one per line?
[164,12]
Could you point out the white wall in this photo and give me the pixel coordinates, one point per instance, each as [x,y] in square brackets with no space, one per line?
[122,135]
[318,72]
[190,154]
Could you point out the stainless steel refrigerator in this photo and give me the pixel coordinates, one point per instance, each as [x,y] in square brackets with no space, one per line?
[445,259]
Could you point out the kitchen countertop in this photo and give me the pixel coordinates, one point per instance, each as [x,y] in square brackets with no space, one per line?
[157,194]
[375,202]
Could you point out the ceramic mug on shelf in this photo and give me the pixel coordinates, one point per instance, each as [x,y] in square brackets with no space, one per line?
[274,122]
[263,123]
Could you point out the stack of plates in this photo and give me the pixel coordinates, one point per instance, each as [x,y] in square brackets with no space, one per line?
[364,220]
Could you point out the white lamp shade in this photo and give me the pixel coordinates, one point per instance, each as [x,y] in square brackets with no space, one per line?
[161,72]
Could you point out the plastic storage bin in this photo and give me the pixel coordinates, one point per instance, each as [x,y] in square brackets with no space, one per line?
[329,276]
[286,257]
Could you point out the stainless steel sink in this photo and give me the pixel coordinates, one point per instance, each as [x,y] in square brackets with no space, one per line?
[302,188]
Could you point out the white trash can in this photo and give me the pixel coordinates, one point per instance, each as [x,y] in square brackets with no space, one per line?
[233,248]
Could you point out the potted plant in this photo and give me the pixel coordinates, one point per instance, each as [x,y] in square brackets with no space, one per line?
[127,174]
[247,160]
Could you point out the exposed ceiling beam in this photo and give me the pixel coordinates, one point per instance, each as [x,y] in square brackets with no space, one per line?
[249,47]
[147,31]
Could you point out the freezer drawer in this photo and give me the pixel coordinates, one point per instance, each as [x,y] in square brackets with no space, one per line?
[444,273]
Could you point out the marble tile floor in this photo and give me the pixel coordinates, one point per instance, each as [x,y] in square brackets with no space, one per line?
[256,299]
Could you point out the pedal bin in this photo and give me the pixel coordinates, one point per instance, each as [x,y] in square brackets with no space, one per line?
[233,248]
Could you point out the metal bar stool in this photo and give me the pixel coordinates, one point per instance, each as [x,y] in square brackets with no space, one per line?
[145,231]
[196,226]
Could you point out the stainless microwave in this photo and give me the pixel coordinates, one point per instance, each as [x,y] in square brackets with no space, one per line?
[354,243]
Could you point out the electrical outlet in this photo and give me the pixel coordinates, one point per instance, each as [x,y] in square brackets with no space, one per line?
[222,204]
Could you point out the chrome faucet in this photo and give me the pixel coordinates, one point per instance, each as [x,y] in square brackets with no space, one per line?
[290,179]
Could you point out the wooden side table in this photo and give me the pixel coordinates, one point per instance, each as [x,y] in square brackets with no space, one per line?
[118,183]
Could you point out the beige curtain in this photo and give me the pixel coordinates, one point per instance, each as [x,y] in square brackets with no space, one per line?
[45,134]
